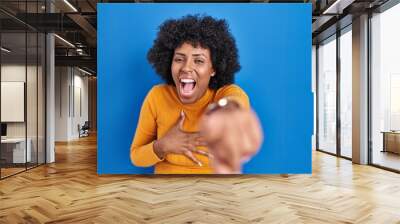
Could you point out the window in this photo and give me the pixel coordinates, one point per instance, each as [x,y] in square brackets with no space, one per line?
[385,88]
[346,92]
[327,95]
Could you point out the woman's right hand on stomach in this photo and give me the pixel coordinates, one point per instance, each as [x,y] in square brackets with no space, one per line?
[180,142]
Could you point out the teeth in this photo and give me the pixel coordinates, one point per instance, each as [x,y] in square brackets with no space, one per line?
[187,81]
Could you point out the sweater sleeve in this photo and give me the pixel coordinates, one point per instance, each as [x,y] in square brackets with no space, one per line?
[234,92]
[142,153]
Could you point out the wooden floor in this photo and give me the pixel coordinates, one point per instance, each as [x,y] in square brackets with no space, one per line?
[70,191]
[5,172]
[387,159]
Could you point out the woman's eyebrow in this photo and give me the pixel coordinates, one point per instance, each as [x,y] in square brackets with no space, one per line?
[195,55]
[181,54]
[200,54]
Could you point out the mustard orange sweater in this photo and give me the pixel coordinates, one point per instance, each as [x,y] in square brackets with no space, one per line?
[160,112]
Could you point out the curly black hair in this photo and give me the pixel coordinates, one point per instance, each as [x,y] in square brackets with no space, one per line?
[203,31]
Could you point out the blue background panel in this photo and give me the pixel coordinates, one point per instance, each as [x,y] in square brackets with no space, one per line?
[274,42]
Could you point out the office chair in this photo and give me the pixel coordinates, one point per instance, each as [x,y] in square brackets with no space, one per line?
[84,130]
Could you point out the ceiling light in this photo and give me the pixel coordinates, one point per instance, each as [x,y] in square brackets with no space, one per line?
[337,7]
[5,50]
[70,5]
[65,41]
[79,51]
[84,71]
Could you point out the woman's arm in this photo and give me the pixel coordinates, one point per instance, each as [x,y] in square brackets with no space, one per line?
[147,151]
[232,130]
[142,147]
[234,93]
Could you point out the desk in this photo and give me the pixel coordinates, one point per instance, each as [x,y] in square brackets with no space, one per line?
[391,141]
[13,150]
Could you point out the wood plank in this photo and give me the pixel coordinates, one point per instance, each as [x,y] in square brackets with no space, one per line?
[70,191]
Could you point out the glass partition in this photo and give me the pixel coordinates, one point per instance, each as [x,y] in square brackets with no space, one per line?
[41,109]
[13,109]
[32,95]
[327,95]
[346,92]
[22,88]
[385,88]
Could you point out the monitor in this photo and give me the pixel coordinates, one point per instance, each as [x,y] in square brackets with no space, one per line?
[3,129]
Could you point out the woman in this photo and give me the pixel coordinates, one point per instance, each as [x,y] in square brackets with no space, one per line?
[199,114]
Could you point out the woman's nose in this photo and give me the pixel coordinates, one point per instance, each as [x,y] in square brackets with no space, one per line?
[187,67]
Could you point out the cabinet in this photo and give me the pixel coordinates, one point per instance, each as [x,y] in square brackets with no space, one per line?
[13,151]
[391,141]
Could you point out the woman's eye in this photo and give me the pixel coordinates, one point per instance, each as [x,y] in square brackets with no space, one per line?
[178,60]
[198,61]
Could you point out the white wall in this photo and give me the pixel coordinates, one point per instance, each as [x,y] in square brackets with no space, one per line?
[71,94]
[62,81]
[33,127]
[12,73]
[80,110]
[314,91]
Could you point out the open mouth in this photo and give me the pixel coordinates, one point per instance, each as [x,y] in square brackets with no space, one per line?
[187,87]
